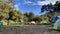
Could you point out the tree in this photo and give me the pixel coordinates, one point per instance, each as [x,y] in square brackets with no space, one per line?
[7,11]
[26,14]
[37,19]
[29,16]
[51,9]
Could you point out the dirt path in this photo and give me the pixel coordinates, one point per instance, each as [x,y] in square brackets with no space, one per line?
[31,29]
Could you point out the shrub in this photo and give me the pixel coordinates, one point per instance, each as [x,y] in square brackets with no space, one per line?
[32,22]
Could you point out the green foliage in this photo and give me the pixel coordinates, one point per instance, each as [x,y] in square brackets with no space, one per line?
[30,16]
[51,9]
[37,19]
[32,22]
[4,22]
[8,13]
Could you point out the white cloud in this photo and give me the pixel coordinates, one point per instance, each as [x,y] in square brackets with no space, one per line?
[46,2]
[52,1]
[42,2]
[16,6]
[36,3]
[28,2]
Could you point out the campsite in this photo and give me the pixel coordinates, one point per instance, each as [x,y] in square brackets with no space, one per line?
[29,16]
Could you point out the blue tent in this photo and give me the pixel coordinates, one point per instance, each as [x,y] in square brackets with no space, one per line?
[55,18]
[57,22]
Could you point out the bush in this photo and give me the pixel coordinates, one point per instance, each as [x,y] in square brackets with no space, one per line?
[32,22]
[44,22]
[13,23]
[4,22]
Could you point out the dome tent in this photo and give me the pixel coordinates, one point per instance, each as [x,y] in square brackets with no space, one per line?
[57,23]
[55,18]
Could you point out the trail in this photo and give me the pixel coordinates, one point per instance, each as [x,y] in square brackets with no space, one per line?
[30,29]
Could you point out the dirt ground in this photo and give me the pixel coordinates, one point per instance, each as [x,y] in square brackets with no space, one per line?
[30,29]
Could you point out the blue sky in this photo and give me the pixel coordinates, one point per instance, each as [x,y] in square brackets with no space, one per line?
[32,5]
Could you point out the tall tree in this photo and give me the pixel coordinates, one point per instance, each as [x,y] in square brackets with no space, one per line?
[7,11]
[30,16]
[51,9]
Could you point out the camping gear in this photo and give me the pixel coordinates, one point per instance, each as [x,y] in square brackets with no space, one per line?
[55,18]
[1,25]
[56,24]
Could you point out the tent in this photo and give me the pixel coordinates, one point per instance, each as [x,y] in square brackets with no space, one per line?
[57,24]
[55,19]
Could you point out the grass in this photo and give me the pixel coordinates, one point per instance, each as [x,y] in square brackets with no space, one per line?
[13,26]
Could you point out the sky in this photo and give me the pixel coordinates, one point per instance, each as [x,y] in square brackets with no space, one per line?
[32,5]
